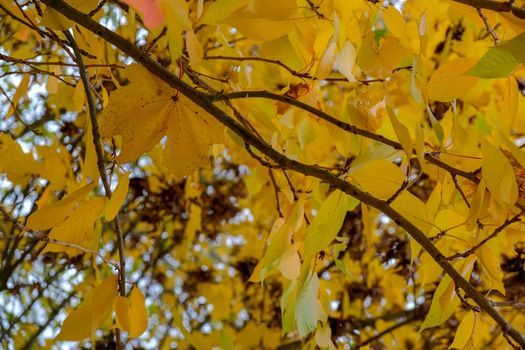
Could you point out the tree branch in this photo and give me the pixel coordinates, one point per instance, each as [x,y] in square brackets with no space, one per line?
[498,6]
[205,102]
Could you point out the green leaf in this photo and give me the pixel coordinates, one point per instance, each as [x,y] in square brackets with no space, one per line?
[500,61]
[306,307]
[445,300]
[326,224]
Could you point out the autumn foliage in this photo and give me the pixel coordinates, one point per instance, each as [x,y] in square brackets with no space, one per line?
[260,174]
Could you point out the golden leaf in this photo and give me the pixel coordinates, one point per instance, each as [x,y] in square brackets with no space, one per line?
[148,109]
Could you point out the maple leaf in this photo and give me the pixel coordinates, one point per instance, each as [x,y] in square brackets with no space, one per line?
[146,110]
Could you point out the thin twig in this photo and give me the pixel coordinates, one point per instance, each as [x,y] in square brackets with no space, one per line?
[101,166]
[488,26]
[290,70]
[494,234]
[16,114]
[42,236]
[276,192]
[498,6]
[456,184]
[515,305]
[54,63]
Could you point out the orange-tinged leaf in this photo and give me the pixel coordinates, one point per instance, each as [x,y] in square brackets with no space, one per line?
[84,321]
[118,197]
[54,214]
[151,11]
[449,82]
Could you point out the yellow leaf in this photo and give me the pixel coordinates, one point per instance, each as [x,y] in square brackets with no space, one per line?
[464,331]
[414,210]
[394,21]
[77,228]
[280,240]
[498,174]
[345,60]
[476,204]
[219,10]
[323,338]
[508,105]
[448,82]
[55,20]
[190,135]
[290,264]
[445,300]
[54,214]
[380,178]
[148,109]
[118,197]
[132,315]
[139,112]
[326,61]
[264,20]
[20,92]
[489,257]
[78,97]
[18,166]
[401,132]
[194,48]
[84,321]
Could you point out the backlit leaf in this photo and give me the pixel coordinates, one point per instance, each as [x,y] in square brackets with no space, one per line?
[54,214]
[449,82]
[117,197]
[146,110]
[445,301]
[380,178]
[326,224]
[501,60]
[306,314]
[464,331]
[498,174]
[89,316]
[131,312]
